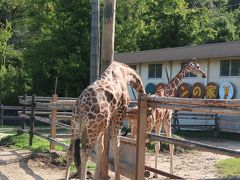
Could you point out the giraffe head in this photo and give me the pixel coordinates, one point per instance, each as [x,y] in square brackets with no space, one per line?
[131,77]
[135,81]
[194,68]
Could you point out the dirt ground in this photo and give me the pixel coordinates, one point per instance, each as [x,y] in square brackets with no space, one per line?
[15,164]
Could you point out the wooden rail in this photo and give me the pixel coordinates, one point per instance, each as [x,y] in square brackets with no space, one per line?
[3,108]
[195,145]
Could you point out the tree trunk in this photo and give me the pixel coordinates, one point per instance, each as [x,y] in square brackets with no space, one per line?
[95,42]
[107,58]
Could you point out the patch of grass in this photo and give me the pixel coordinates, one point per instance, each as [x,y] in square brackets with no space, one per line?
[20,141]
[91,166]
[229,167]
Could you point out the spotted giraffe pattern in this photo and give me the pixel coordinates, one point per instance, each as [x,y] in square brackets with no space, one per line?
[162,117]
[102,104]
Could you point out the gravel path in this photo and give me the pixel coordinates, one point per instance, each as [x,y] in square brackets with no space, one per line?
[15,164]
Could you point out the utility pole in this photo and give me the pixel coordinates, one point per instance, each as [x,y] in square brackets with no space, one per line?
[95,42]
[107,55]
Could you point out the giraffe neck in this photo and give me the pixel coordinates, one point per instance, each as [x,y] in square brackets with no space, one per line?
[169,89]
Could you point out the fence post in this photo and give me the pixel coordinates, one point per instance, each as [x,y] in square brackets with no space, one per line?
[216,129]
[23,122]
[32,120]
[53,122]
[2,112]
[141,137]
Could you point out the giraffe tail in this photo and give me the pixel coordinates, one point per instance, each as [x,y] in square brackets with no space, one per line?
[77,159]
[73,154]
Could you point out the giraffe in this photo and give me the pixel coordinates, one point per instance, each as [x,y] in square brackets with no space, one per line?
[162,117]
[102,104]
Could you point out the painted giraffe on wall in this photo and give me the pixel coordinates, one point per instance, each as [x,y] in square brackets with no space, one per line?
[162,117]
[102,104]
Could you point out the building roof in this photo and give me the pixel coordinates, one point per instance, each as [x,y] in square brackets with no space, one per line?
[216,50]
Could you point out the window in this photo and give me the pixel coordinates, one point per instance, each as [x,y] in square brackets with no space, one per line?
[154,70]
[188,74]
[230,68]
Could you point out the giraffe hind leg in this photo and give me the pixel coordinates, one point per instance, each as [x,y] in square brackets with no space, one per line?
[157,147]
[69,159]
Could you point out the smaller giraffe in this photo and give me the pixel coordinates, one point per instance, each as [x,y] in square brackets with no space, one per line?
[100,105]
[159,116]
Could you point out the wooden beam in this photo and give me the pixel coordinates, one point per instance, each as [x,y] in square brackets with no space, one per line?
[199,102]
[195,108]
[171,176]
[195,145]
[2,111]
[32,121]
[23,122]
[141,137]
[53,122]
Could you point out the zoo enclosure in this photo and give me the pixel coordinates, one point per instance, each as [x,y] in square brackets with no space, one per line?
[215,106]
[56,111]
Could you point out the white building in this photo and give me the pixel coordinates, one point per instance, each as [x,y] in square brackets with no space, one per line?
[220,61]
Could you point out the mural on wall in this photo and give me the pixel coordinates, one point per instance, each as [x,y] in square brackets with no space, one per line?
[211,90]
[150,88]
[184,90]
[226,90]
[198,90]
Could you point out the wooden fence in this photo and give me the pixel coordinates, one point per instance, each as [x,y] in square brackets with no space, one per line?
[54,110]
[49,110]
[231,107]
[4,116]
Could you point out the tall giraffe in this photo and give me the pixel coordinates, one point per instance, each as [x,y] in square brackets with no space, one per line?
[102,104]
[159,116]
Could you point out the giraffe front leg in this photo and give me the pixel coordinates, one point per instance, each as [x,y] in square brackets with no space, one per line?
[85,150]
[116,149]
[168,130]
[99,151]
[69,159]
[157,147]
[84,159]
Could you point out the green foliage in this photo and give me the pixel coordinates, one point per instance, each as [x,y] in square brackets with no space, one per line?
[45,39]
[229,167]
[20,141]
